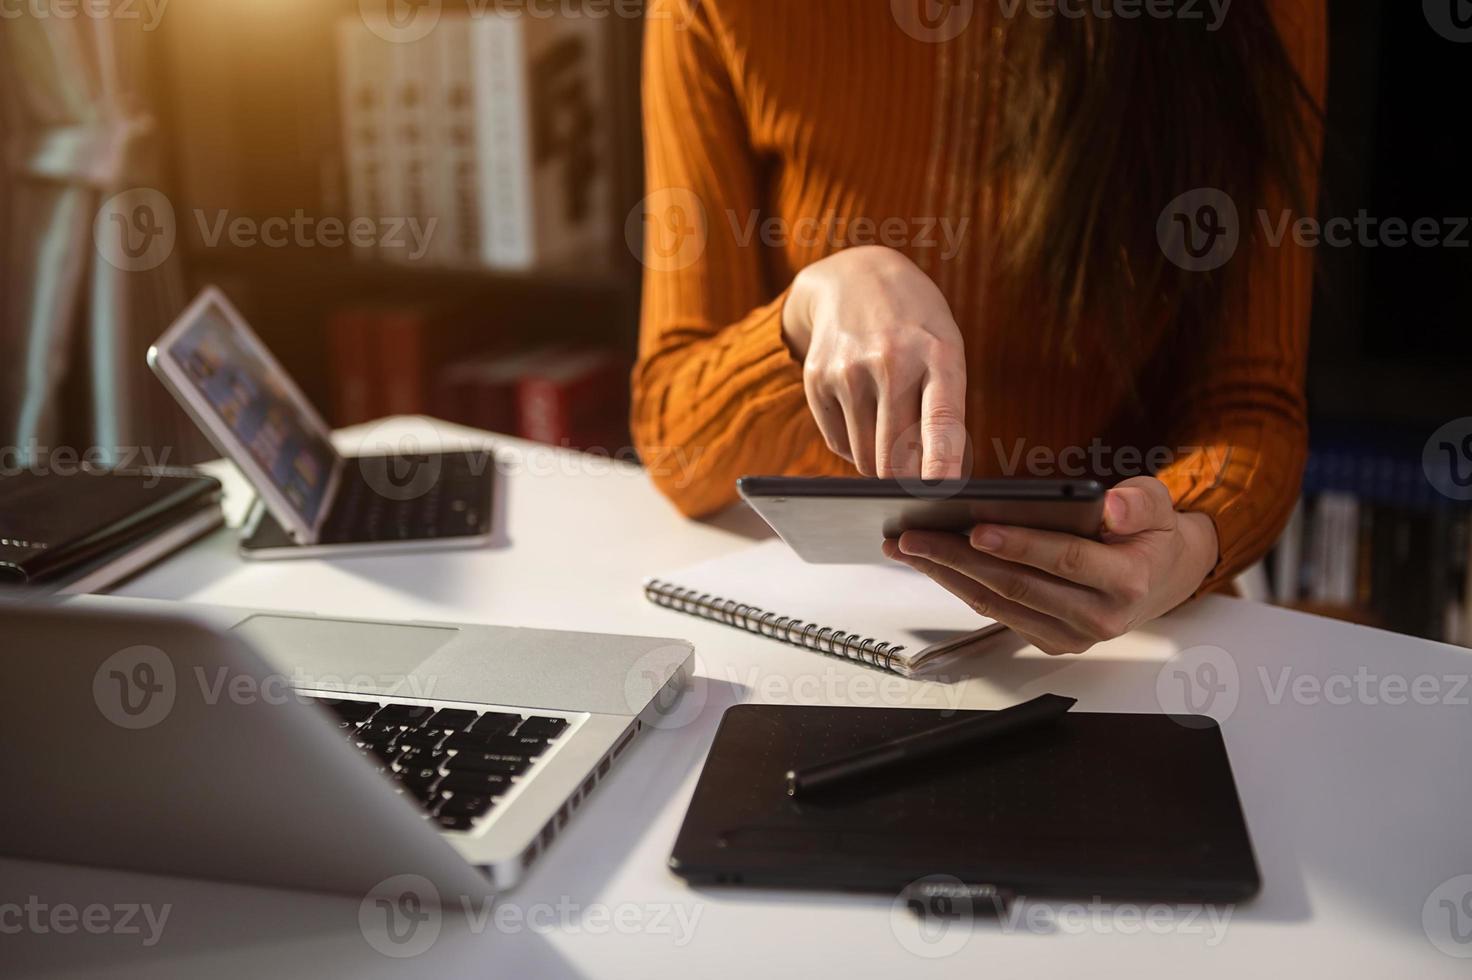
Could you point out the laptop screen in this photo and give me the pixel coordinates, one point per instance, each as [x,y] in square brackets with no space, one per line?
[245,396]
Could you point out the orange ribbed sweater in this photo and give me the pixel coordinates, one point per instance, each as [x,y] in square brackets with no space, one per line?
[778,131]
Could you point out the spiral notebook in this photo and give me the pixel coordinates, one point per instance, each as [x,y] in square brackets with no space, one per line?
[884,616]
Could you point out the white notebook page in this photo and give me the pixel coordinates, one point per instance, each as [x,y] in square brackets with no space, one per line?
[889,603]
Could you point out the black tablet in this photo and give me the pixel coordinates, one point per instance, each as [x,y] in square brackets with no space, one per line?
[1122,807]
[844,521]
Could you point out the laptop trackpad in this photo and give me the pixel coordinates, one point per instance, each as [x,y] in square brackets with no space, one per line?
[342,655]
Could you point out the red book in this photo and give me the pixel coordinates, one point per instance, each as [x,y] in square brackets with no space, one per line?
[482,391]
[414,344]
[402,339]
[353,369]
[577,398]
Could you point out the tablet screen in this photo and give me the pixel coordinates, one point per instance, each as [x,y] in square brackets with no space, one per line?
[243,392]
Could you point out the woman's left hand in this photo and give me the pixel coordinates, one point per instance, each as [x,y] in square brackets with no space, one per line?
[1064,593]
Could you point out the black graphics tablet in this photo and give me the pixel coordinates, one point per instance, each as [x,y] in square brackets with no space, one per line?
[1122,807]
[845,520]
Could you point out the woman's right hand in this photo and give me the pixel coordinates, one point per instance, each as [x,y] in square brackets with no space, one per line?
[884,365]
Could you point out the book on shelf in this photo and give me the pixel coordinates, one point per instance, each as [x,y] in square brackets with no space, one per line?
[384,360]
[492,128]
[559,395]
[454,139]
[1373,541]
[538,86]
[576,398]
[363,63]
[353,366]
[414,169]
[482,391]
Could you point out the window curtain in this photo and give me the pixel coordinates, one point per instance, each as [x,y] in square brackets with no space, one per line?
[75,321]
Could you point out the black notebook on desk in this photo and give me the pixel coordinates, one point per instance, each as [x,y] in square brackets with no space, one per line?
[1127,807]
[58,529]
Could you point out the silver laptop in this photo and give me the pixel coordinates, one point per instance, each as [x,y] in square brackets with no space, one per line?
[310,499]
[305,752]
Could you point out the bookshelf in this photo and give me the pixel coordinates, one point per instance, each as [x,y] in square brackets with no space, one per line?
[1390,354]
[250,109]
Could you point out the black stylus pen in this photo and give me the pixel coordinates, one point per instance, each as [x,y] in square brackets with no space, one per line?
[968,731]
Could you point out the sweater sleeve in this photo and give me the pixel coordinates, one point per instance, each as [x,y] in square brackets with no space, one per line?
[715,389]
[1246,417]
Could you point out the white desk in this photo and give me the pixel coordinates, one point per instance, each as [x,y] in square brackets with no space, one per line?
[1359,811]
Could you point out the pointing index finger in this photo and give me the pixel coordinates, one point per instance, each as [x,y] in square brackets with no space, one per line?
[943,425]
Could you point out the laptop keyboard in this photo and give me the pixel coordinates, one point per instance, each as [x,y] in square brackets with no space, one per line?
[456,504]
[457,763]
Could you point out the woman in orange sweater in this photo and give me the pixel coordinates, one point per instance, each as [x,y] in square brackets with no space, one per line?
[940,237]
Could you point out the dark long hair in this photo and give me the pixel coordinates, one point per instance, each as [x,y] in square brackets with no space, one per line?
[1104,121]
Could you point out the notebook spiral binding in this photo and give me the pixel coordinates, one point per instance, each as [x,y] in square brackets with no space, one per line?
[788,629]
